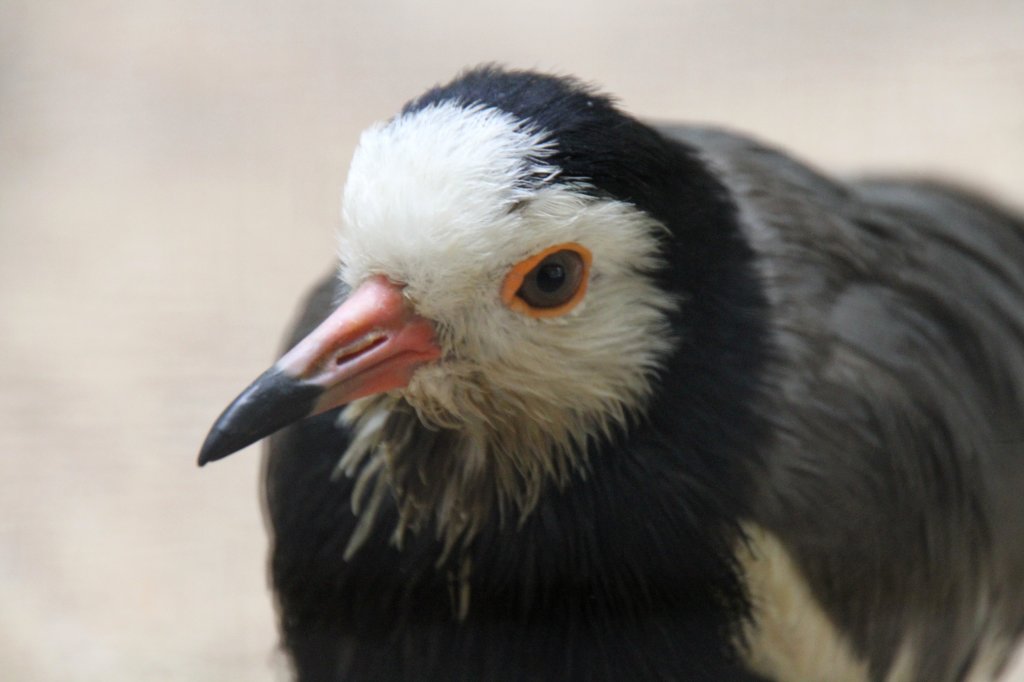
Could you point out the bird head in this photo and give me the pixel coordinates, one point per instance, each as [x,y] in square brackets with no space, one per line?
[543,318]
[504,242]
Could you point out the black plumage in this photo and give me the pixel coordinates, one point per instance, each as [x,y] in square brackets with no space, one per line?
[846,374]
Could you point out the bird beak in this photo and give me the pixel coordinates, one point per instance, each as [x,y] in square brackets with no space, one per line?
[373,342]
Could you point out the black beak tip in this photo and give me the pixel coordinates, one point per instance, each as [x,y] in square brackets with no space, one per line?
[272,401]
[213,448]
[236,429]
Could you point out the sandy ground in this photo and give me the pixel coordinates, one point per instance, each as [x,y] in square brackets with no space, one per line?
[169,182]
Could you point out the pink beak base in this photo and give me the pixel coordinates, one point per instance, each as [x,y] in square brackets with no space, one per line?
[373,342]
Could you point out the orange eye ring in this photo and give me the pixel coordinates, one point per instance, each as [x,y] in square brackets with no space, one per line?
[511,288]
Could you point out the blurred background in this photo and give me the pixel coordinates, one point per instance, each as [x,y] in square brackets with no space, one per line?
[169,184]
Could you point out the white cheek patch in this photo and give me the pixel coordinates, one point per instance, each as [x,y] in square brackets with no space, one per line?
[586,369]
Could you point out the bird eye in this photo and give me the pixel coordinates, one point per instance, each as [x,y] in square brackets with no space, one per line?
[554,281]
[549,283]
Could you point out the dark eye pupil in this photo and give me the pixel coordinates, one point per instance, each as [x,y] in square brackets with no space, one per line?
[554,281]
[550,277]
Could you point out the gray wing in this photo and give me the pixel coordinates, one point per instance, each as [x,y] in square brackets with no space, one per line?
[896,478]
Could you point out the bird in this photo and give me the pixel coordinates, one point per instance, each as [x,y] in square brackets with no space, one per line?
[588,398]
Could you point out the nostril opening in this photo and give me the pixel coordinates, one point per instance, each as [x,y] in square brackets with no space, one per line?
[360,347]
